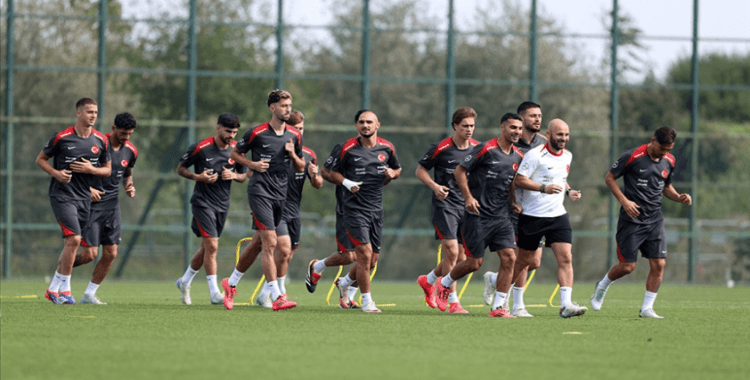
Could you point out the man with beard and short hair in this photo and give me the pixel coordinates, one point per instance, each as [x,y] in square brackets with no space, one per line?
[485,178]
[214,172]
[275,147]
[647,172]
[544,173]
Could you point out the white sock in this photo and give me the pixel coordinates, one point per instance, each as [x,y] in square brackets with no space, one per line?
[352,292]
[518,298]
[366,298]
[606,282]
[453,297]
[281,281]
[447,281]
[91,289]
[274,288]
[345,281]
[432,278]
[234,279]
[54,286]
[493,277]
[319,266]
[64,283]
[565,293]
[213,287]
[499,300]
[264,291]
[187,278]
[648,300]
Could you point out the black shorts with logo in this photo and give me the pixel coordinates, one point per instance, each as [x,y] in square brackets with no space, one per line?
[650,239]
[448,223]
[479,233]
[266,212]
[532,229]
[363,227]
[103,228]
[208,222]
[343,244]
[291,227]
[71,214]
[514,218]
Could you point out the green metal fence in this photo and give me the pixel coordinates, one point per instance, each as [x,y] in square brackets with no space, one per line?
[415,136]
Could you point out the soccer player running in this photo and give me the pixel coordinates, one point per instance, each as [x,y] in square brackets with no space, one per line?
[366,163]
[80,154]
[447,202]
[647,171]
[544,174]
[275,147]
[485,177]
[290,228]
[104,223]
[214,172]
[531,113]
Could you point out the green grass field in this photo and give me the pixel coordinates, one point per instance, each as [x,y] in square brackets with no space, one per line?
[146,333]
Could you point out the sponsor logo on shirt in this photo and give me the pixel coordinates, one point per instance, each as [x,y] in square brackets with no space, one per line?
[358,158]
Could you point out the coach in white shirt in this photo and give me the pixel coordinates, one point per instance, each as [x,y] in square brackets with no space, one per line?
[544,173]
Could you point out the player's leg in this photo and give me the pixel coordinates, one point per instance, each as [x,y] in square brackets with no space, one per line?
[210,249]
[534,262]
[502,286]
[364,255]
[247,258]
[564,256]
[628,238]
[72,217]
[344,256]
[655,249]
[109,253]
[282,258]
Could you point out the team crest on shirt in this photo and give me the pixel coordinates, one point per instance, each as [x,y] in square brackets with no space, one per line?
[95,149]
[567,168]
[664,173]
[124,163]
[230,161]
[381,157]
[515,166]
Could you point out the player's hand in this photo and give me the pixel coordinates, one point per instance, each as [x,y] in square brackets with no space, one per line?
[352,186]
[96,195]
[631,208]
[289,146]
[226,174]
[516,209]
[685,199]
[553,189]
[472,205]
[575,195]
[259,166]
[390,173]
[207,176]
[130,189]
[441,192]
[83,166]
[312,170]
[63,176]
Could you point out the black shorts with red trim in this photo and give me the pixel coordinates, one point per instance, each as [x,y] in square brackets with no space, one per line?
[365,227]
[649,238]
[71,214]
[103,228]
[208,222]
[291,227]
[514,219]
[532,229]
[480,233]
[448,223]
[343,244]
[266,212]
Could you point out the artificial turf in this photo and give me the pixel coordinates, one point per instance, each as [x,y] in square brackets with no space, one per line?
[146,333]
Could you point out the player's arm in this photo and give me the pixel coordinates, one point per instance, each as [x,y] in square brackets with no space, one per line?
[575,195]
[526,183]
[671,193]
[515,207]
[127,182]
[316,178]
[298,161]
[631,208]
[472,205]
[228,175]
[62,176]
[441,192]
[205,177]
[85,166]
[256,166]
[337,178]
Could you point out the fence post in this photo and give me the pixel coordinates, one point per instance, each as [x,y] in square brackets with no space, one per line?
[280,47]
[532,54]
[694,238]
[193,57]
[365,54]
[9,140]
[101,69]
[614,149]
[450,85]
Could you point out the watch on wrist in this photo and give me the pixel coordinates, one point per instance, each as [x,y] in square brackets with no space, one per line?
[567,192]
[542,188]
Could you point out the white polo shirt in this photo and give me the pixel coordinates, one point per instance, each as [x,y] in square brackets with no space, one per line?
[543,167]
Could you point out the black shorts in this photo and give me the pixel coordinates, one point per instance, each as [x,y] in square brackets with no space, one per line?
[266,212]
[532,229]
[649,238]
[343,243]
[291,227]
[207,222]
[71,214]
[363,227]
[480,233]
[103,228]
[448,223]
[514,219]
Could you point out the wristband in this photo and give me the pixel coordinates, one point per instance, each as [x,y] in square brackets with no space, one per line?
[349,184]
[542,188]
[567,192]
